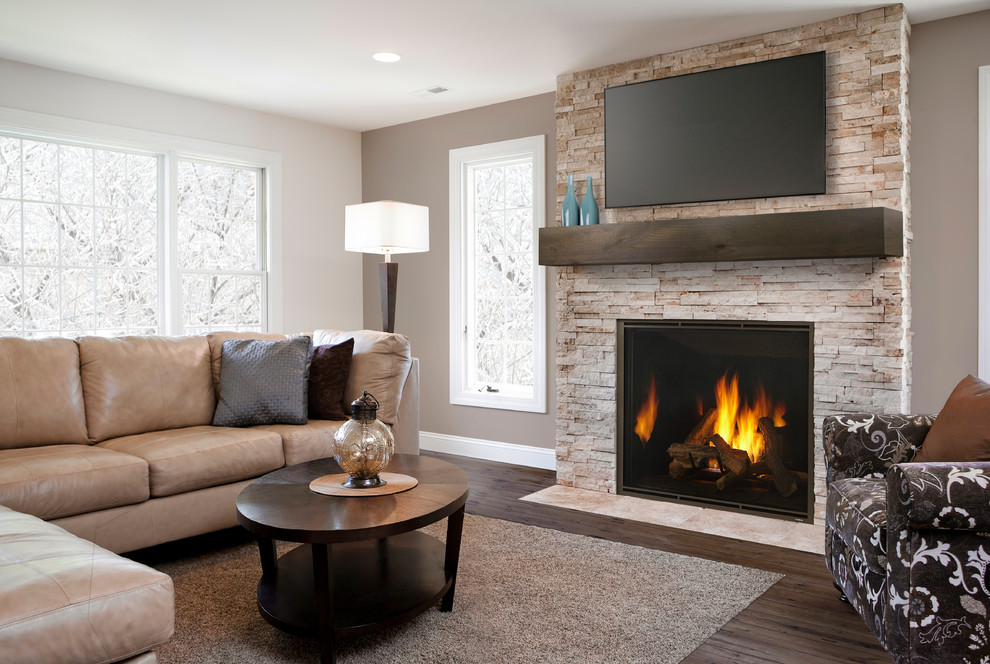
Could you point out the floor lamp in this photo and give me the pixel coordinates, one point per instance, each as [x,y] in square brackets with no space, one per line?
[387,227]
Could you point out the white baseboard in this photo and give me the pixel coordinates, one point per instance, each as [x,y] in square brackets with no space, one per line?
[490,450]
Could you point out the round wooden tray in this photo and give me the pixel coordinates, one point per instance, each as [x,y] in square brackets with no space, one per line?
[331,485]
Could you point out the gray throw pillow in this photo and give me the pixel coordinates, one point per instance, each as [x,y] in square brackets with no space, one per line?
[263,382]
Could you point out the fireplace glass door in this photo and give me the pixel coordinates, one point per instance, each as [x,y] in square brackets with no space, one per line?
[717,413]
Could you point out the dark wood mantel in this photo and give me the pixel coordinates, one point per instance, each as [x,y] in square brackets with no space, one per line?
[849,233]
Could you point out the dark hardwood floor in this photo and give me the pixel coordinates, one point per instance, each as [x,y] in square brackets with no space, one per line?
[800,620]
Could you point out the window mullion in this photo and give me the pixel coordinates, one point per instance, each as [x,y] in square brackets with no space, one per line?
[261,221]
[170,279]
[23,234]
[59,266]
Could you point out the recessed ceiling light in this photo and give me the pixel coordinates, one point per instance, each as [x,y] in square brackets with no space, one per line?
[386,56]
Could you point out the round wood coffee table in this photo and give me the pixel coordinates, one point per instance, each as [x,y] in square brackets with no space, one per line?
[362,567]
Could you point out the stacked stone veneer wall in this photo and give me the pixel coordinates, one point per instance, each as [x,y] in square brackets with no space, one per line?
[860,307]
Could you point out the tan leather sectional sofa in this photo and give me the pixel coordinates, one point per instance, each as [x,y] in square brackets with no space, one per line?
[111,440]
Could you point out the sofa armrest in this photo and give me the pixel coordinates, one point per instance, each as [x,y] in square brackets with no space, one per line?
[938,556]
[867,444]
[941,496]
[406,427]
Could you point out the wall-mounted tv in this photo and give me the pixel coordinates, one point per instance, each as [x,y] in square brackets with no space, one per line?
[749,131]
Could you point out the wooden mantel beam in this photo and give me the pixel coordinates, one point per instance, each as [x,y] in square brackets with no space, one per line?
[848,233]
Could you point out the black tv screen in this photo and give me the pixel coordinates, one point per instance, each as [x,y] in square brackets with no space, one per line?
[750,131]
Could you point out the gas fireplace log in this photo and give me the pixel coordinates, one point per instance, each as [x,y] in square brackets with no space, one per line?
[676,470]
[773,442]
[727,480]
[699,435]
[692,456]
[697,456]
[733,460]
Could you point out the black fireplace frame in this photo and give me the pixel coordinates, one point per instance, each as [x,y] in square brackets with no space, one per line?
[620,390]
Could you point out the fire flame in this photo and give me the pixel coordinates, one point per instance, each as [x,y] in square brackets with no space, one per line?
[737,421]
[647,416]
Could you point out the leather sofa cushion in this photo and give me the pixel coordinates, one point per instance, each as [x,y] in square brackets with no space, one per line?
[857,512]
[305,442]
[41,396]
[161,520]
[379,365]
[216,339]
[181,460]
[61,480]
[67,600]
[137,384]
[143,658]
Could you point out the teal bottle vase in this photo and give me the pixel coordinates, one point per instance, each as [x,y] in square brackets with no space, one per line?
[569,214]
[589,206]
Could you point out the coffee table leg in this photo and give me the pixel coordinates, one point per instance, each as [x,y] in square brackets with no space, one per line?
[324,602]
[455,524]
[266,547]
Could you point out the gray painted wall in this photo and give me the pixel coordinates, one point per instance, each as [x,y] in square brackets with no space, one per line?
[942,96]
[409,162]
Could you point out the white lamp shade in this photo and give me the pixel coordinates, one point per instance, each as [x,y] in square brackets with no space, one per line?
[387,227]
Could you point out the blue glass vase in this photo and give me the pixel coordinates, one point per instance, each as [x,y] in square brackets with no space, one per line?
[589,206]
[569,214]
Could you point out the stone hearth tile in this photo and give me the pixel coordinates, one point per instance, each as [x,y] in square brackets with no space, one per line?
[807,537]
[583,500]
[745,527]
[658,512]
[752,528]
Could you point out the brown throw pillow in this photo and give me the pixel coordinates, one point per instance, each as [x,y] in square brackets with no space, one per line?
[961,431]
[328,372]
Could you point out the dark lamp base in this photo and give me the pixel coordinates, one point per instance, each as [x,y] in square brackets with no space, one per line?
[388,278]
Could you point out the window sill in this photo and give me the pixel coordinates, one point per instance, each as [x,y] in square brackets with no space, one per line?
[498,401]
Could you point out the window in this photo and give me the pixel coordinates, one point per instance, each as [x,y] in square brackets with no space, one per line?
[78,239]
[497,288]
[90,245]
[219,249]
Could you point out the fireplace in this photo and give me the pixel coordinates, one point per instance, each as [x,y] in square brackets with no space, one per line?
[717,413]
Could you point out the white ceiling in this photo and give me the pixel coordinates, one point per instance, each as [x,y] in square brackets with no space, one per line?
[311,59]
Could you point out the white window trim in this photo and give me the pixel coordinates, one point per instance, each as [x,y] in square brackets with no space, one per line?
[53,127]
[984,236]
[460,393]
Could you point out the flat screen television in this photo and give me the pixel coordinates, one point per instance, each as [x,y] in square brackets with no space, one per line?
[749,131]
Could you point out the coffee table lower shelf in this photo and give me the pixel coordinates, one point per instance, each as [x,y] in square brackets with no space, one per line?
[375,584]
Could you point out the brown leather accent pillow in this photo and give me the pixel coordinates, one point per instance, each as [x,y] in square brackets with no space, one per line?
[961,431]
[328,372]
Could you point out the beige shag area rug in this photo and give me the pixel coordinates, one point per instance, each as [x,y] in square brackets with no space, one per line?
[524,595]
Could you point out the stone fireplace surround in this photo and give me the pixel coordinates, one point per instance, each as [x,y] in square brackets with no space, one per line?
[860,306]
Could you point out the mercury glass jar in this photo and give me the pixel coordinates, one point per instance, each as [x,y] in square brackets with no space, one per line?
[363,446]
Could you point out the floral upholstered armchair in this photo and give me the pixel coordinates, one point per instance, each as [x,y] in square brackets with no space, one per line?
[908,544]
